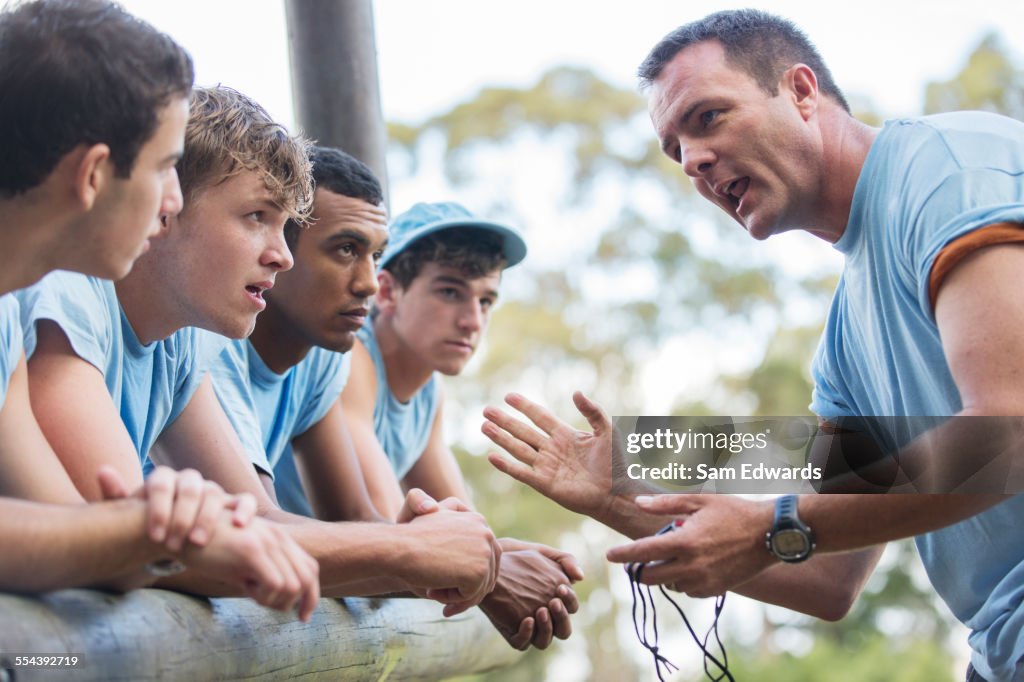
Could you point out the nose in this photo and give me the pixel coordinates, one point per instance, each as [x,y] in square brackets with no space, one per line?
[277,255]
[696,160]
[171,201]
[472,317]
[364,283]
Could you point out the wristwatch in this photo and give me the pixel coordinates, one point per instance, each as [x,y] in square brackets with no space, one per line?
[790,539]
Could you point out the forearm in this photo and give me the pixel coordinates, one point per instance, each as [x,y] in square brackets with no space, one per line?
[355,558]
[847,522]
[100,545]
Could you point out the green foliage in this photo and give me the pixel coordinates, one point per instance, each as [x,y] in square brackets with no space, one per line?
[990,80]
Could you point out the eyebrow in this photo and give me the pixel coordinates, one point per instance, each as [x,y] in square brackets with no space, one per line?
[448,279]
[174,157]
[354,235]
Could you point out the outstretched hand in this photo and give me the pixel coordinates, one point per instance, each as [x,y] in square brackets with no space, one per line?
[569,466]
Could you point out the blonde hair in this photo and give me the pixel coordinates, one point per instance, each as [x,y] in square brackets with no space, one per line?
[228,133]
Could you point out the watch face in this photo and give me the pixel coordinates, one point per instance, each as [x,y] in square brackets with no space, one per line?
[790,543]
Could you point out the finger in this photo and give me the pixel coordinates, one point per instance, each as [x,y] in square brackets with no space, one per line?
[112,486]
[308,572]
[188,494]
[593,413]
[655,548]
[456,608]
[523,452]
[569,598]
[571,567]
[211,505]
[670,504]
[521,639]
[416,504]
[561,623]
[159,491]
[519,429]
[544,420]
[667,573]
[520,472]
[289,591]
[543,630]
[244,507]
[454,504]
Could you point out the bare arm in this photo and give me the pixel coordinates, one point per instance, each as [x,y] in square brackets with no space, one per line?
[357,401]
[329,467]
[436,470]
[439,550]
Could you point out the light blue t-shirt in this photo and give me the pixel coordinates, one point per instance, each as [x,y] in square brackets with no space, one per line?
[926,182]
[268,409]
[10,337]
[149,384]
[402,429]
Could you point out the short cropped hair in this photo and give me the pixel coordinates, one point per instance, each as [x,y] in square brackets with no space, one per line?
[76,72]
[761,44]
[472,251]
[341,173]
[228,133]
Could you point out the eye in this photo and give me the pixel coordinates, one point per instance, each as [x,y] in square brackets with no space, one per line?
[347,249]
[487,303]
[708,117]
[255,215]
[449,293]
[377,255]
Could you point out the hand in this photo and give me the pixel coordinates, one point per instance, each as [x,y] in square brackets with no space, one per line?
[262,558]
[418,503]
[531,601]
[180,505]
[453,556]
[570,566]
[719,546]
[571,467]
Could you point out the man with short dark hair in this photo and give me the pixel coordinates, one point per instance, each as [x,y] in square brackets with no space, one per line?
[94,111]
[927,320]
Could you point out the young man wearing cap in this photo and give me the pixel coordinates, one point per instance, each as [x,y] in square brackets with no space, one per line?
[280,387]
[439,281]
[89,168]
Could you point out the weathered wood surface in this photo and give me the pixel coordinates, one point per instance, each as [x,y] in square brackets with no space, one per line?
[160,635]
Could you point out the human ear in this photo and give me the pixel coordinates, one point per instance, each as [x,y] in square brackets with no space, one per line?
[387,291]
[803,84]
[92,172]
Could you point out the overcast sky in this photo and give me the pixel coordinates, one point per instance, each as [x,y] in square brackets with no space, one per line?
[437,52]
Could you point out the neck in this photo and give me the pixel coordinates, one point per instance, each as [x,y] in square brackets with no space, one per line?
[847,142]
[406,373]
[149,302]
[277,342]
[31,230]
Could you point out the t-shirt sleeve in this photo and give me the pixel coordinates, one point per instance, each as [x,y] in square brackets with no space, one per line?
[197,350]
[966,200]
[323,382]
[10,337]
[230,375]
[80,306]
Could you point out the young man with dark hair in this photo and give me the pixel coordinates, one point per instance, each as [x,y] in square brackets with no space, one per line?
[95,104]
[927,320]
[242,176]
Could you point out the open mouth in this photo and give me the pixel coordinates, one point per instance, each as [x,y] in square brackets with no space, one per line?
[735,190]
[255,291]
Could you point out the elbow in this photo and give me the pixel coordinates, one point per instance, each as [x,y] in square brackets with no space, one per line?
[835,606]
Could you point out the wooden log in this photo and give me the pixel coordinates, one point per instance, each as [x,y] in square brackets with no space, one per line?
[160,635]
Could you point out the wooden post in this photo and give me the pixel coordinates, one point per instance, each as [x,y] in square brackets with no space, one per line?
[335,87]
[159,635]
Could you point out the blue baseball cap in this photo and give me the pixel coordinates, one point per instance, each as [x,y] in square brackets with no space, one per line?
[425,219]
